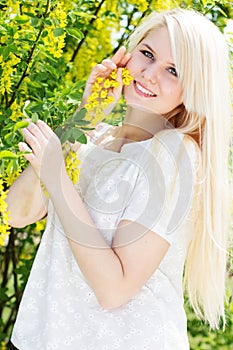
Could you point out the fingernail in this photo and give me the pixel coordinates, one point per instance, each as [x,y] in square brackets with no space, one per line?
[24,146]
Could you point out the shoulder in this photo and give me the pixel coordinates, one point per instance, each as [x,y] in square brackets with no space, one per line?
[175,144]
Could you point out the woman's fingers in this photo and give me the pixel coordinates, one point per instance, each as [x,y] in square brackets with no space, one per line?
[31,140]
[119,55]
[109,64]
[45,129]
[23,147]
[125,59]
[105,68]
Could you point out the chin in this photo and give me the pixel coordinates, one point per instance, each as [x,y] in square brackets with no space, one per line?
[139,107]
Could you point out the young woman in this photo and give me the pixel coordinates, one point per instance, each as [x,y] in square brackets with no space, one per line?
[152,195]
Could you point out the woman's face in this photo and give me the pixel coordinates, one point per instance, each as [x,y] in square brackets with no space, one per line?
[155,86]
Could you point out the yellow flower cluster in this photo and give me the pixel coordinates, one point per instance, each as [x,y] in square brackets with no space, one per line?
[72,166]
[16,112]
[164,4]
[13,6]
[5,215]
[8,68]
[142,5]
[99,98]
[3,345]
[11,175]
[55,44]
[40,225]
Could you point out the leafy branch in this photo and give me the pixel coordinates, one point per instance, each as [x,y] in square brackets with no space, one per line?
[85,33]
[30,55]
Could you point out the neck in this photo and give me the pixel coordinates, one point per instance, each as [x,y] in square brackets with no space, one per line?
[139,125]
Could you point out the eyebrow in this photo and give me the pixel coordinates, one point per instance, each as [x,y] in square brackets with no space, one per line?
[150,48]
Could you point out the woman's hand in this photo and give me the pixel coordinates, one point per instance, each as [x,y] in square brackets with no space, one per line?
[45,157]
[104,70]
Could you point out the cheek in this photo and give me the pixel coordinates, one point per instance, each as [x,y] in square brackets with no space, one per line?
[133,65]
[173,89]
[129,66]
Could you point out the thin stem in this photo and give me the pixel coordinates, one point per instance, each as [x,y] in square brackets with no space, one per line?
[86,32]
[30,55]
[122,39]
[208,10]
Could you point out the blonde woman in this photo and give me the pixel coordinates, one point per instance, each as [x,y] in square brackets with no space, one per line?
[152,195]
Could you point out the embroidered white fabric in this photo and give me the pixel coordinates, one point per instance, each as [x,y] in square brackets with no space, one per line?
[151,182]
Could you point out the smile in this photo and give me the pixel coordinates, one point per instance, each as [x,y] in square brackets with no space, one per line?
[141,90]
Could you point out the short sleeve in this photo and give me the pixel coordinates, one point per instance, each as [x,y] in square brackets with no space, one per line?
[163,193]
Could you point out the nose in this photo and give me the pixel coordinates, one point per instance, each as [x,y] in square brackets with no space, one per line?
[152,73]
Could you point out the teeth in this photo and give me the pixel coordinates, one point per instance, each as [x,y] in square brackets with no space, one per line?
[143,90]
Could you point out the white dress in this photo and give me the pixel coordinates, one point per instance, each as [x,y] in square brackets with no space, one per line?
[151,182]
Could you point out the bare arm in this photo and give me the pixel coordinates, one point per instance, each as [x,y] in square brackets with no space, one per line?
[26,200]
[110,271]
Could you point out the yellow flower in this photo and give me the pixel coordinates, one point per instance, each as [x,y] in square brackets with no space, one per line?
[142,5]
[126,77]
[113,75]
[55,44]
[16,113]
[5,215]
[40,225]
[104,93]
[3,345]
[12,175]
[72,166]
[99,98]
[7,71]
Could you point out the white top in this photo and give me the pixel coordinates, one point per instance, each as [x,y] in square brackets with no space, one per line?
[150,182]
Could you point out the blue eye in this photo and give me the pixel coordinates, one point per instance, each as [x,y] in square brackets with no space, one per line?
[147,54]
[173,71]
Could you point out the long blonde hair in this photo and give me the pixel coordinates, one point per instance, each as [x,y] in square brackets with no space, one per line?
[201,59]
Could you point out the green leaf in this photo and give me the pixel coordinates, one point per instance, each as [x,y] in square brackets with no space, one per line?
[79,85]
[82,139]
[7,155]
[9,138]
[75,95]
[34,117]
[62,106]
[80,114]
[30,14]
[78,135]
[21,19]
[35,107]
[20,125]
[5,52]
[52,70]
[83,14]
[76,33]
[34,21]
[83,123]
[58,131]
[44,33]
[65,136]
[58,32]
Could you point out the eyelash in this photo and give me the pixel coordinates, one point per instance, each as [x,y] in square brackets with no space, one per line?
[149,55]
[173,71]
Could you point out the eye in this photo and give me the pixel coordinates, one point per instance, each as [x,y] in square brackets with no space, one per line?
[147,54]
[173,71]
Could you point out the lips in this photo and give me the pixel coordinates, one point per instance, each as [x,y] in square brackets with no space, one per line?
[142,90]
